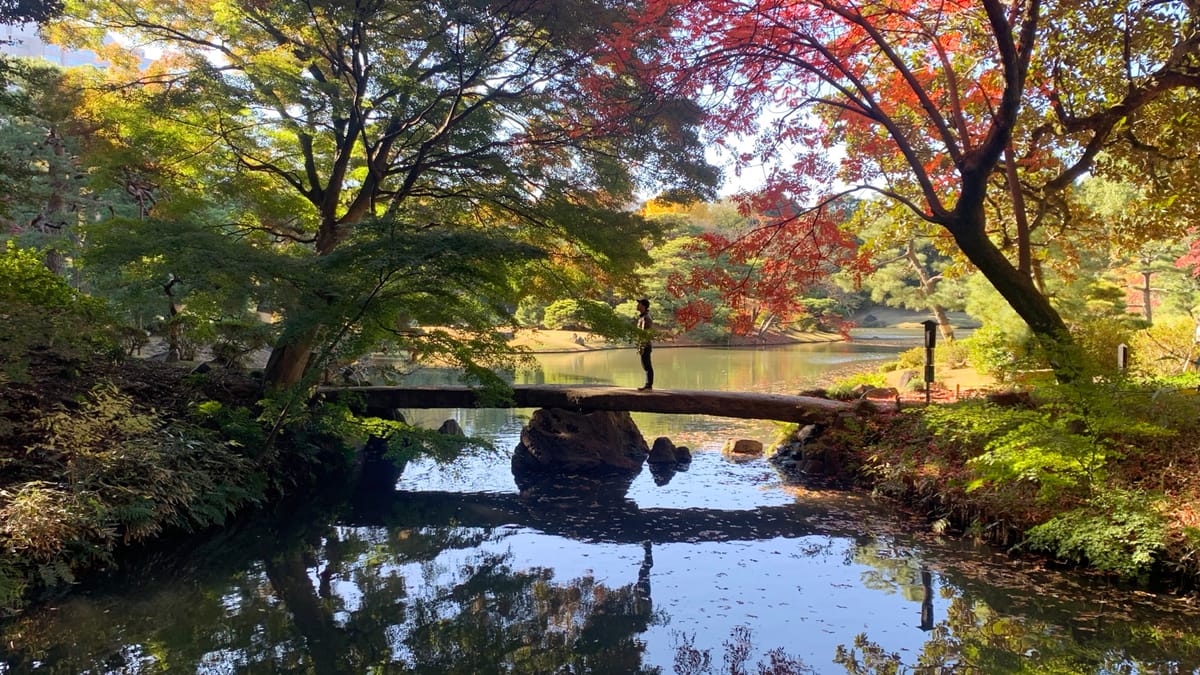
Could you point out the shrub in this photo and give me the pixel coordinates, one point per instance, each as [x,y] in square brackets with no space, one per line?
[945,355]
[843,388]
[1098,339]
[953,354]
[107,471]
[42,313]
[1116,531]
[999,353]
[1165,348]
[530,312]
[910,359]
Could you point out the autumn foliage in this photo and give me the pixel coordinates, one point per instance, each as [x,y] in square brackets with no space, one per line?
[767,269]
[908,100]
[976,116]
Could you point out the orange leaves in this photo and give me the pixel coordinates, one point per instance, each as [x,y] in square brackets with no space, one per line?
[767,268]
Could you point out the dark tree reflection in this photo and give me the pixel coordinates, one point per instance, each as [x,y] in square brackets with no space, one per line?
[992,628]
[497,619]
[338,600]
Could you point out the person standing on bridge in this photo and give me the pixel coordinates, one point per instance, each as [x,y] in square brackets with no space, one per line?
[644,323]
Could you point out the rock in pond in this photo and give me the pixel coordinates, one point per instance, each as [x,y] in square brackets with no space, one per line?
[568,442]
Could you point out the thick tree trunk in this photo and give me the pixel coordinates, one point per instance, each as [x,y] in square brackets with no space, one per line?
[292,354]
[1021,294]
[289,360]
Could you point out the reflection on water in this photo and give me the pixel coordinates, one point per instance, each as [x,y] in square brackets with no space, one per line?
[455,571]
[439,577]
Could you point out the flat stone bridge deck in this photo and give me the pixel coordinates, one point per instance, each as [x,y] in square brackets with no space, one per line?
[744,405]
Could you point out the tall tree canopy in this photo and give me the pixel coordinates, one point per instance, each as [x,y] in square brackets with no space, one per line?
[370,145]
[973,114]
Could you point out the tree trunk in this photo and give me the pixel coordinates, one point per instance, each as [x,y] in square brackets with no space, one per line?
[1024,244]
[289,360]
[174,327]
[52,221]
[928,287]
[1021,294]
[292,354]
[943,319]
[1147,296]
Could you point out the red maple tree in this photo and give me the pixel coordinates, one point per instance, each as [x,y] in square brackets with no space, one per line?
[915,101]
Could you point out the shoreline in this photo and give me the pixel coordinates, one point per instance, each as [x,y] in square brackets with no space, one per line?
[546,341]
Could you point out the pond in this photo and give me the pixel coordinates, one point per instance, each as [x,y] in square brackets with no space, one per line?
[719,568]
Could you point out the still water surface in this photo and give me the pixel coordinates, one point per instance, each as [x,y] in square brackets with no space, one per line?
[719,568]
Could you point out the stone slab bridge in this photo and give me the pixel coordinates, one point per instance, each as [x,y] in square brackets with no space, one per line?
[744,405]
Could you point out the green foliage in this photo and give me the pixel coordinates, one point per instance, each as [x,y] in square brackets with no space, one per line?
[41,147]
[1115,531]
[531,313]
[1062,445]
[1000,354]
[238,425]
[1099,323]
[213,280]
[911,269]
[1045,447]
[236,338]
[405,442]
[821,314]
[41,312]
[679,257]
[953,354]
[911,358]
[564,315]
[28,281]
[358,239]
[1098,473]
[1166,348]
[108,471]
[843,388]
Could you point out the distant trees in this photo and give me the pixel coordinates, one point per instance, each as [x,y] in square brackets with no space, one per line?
[45,187]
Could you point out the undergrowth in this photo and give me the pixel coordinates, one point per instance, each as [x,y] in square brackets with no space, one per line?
[1101,475]
[106,472]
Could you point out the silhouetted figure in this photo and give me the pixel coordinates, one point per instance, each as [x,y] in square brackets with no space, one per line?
[927,601]
[646,324]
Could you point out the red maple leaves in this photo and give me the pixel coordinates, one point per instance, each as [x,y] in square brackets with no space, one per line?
[899,98]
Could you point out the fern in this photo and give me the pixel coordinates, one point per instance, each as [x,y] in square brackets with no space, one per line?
[13,583]
[1116,531]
